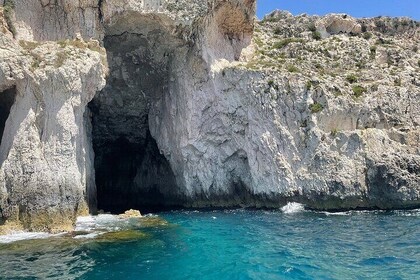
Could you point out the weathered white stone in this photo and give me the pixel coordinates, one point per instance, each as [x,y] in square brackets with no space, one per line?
[236,123]
[45,154]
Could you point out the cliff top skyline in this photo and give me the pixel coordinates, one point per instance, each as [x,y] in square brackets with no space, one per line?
[356,8]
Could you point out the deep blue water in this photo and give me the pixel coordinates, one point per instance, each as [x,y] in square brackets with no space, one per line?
[236,244]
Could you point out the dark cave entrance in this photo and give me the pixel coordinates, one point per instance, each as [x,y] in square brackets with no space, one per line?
[130,171]
[7,98]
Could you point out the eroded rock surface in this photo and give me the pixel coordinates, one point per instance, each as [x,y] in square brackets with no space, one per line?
[203,107]
[45,155]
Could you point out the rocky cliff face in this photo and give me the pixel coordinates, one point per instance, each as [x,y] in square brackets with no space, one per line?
[120,104]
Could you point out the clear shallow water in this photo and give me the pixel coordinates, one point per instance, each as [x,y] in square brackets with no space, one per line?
[236,244]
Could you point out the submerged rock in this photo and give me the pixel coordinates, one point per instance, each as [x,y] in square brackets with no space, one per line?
[152,221]
[125,235]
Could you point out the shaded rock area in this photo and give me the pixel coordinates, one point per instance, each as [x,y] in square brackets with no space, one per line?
[7,98]
[130,170]
[119,104]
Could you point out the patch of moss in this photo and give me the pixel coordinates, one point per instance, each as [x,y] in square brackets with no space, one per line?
[270,19]
[318,66]
[337,92]
[360,64]
[94,46]
[372,52]
[351,78]
[277,31]
[60,59]
[312,27]
[74,43]
[382,41]
[29,45]
[80,44]
[316,107]
[358,91]
[374,87]
[292,69]
[316,35]
[367,36]
[258,42]
[272,84]
[8,7]
[35,64]
[334,132]
[283,43]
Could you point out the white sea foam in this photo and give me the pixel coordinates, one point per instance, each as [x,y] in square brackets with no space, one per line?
[22,235]
[99,222]
[87,226]
[293,207]
[407,213]
[88,236]
[347,213]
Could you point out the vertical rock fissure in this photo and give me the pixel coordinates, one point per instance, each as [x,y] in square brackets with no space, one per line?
[7,98]
[100,13]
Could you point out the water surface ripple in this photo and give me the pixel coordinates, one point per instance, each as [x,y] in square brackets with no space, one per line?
[234,244]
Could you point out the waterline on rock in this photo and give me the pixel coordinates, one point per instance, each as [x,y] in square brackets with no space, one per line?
[88,227]
[22,235]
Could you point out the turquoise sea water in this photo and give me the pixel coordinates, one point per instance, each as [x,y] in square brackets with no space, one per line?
[235,244]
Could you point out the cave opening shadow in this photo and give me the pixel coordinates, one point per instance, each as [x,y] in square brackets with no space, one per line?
[7,98]
[130,171]
[132,176]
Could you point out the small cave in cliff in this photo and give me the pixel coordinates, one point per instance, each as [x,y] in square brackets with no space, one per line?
[7,98]
[130,171]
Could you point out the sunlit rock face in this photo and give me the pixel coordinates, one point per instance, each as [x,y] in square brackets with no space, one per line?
[160,104]
[337,24]
[45,154]
[142,117]
[48,163]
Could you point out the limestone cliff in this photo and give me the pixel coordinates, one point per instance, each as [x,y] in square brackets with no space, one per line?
[119,104]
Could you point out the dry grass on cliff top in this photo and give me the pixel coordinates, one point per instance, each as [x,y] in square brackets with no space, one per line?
[55,54]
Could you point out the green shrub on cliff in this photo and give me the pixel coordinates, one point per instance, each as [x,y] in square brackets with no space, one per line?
[312,27]
[29,45]
[316,35]
[316,107]
[358,91]
[292,69]
[351,78]
[283,43]
[367,36]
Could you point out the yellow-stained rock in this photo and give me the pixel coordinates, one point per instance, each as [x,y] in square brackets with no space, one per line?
[153,222]
[131,214]
[10,227]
